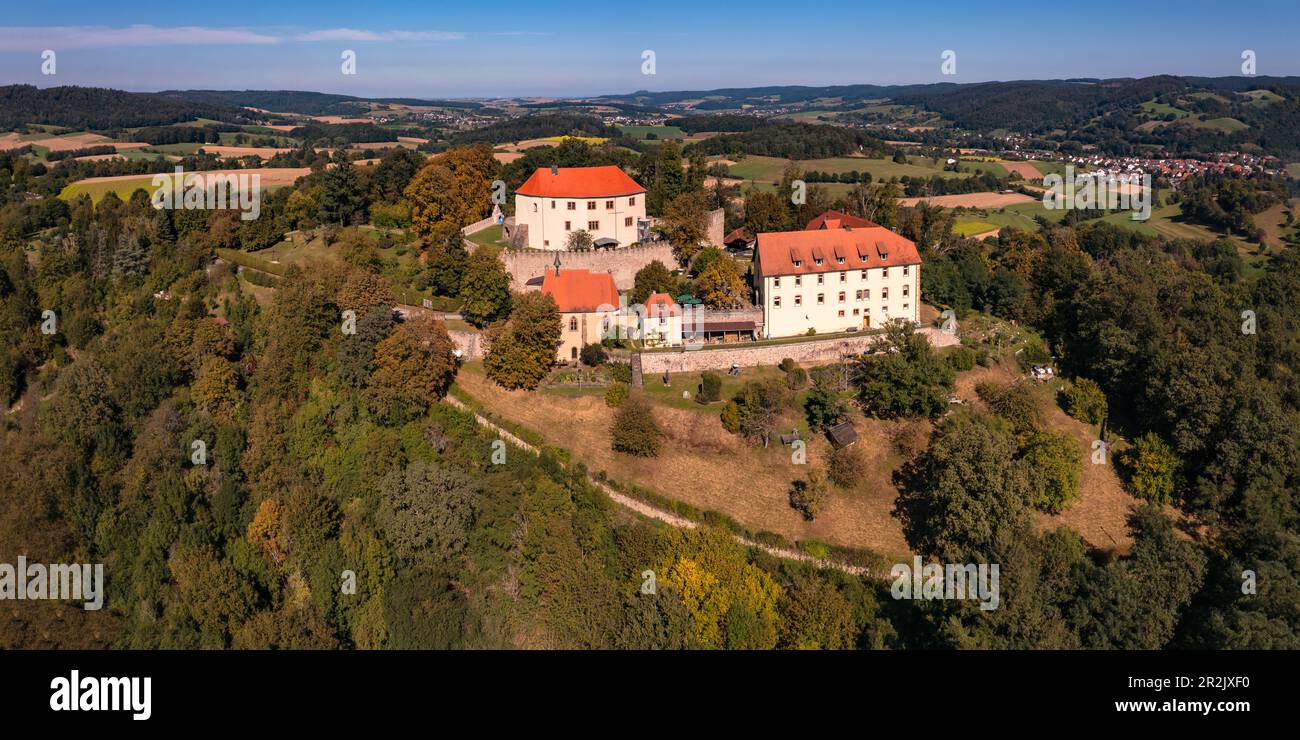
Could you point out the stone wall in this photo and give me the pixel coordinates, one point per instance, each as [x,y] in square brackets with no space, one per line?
[811,352]
[623,264]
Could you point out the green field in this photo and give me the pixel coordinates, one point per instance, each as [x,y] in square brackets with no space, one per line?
[1224,124]
[1160,109]
[97,190]
[660,132]
[971,228]
[768,169]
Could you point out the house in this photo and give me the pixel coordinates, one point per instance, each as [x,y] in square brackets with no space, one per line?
[556,202]
[839,220]
[738,241]
[835,279]
[659,325]
[588,303]
[842,434]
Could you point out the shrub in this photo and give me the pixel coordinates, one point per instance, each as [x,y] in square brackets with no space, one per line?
[962,359]
[616,394]
[1085,401]
[710,388]
[1053,471]
[808,496]
[787,365]
[635,431]
[731,417]
[796,378]
[1152,468]
[619,372]
[1016,403]
[593,355]
[847,467]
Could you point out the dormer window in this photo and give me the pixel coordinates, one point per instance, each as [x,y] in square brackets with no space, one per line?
[817,262]
[840,260]
[797,263]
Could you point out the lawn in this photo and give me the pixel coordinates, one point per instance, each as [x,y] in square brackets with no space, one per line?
[971,228]
[491,236]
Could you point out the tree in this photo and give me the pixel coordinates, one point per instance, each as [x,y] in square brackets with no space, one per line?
[452,190]
[416,363]
[579,241]
[1053,459]
[710,388]
[685,223]
[817,617]
[593,355]
[1152,468]
[908,379]
[754,410]
[216,389]
[765,212]
[721,285]
[522,350]
[1085,401]
[342,197]
[824,407]
[653,278]
[485,289]
[635,431]
[808,496]
[427,509]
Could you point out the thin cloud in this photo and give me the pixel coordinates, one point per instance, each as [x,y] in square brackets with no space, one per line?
[36,38]
[352,34]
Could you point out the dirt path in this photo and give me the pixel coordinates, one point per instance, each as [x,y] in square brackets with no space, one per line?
[667,517]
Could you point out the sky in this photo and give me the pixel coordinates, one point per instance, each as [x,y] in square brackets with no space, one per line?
[434,49]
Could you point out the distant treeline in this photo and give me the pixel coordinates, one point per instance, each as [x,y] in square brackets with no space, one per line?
[340,133]
[181,134]
[99,108]
[88,151]
[793,141]
[536,126]
[728,122]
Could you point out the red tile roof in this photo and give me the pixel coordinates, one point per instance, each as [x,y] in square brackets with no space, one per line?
[860,248]
[660,304]
[838,220]
[580,291]
[580,182]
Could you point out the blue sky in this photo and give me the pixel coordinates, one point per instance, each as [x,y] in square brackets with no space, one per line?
[439,49]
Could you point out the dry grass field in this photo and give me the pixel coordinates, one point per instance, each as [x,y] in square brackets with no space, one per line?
[971,200]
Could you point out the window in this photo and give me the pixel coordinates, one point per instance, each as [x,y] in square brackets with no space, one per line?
[552,205]
[776,301]
[798,262]
[864,274]
[841,296]
[798,300]
[593,225]
[817,261]
[841,313]
[627,221]
[591,205]
[857,295]
[844,277]
[604,325]
[866,294]
[609,205]
[884,272]
[798,280]
[567,227]
[905,287]
[821,299]
[821,279]
[776,281]
[839,260]
[534,208]
[573,206]
[904,269]
[546,242]
[855,312]
[573,353]
[663,319]
[573,323]
[904,306]
[884,294]
[631,201]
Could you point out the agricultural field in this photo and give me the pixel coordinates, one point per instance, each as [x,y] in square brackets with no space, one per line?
[768,169]
[1164,109]
[125,185]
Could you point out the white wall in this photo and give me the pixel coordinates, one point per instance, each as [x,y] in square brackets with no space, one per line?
[545,218]
[789,320]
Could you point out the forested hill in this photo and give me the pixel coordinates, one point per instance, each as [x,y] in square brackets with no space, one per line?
[99,108]
[300,101]
[537,126]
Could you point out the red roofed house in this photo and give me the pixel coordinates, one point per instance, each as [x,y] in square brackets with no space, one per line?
[835,279]
[838,220]
[557,201]
[660,324]
[588,304]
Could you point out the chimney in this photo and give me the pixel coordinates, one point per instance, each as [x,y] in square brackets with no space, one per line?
[555,170]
